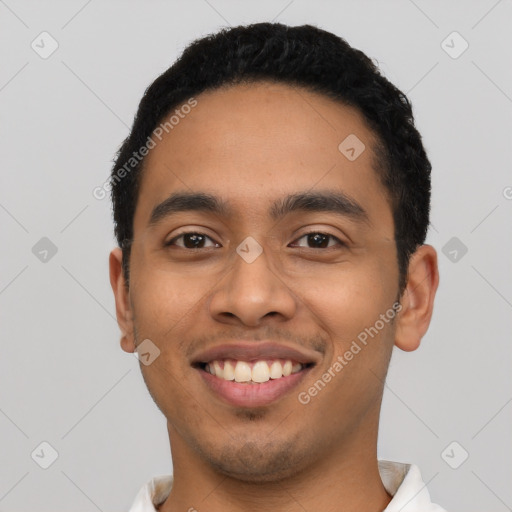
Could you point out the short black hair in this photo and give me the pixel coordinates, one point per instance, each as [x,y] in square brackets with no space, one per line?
[302,56]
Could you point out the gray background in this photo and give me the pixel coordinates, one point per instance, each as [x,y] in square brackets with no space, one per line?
[64,378]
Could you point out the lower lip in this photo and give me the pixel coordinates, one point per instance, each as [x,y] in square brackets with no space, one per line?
[252,395]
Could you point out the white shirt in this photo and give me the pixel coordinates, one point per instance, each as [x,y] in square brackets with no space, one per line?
[402,481]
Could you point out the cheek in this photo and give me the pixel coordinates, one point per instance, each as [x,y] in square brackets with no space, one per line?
[351,299]
[350,306]
[164,301]
[356,309]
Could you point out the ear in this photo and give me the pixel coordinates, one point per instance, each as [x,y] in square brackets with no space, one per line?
[417,299]
[122,298]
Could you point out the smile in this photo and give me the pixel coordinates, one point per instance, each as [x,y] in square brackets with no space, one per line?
[255,372]
[252,383]
[250,374]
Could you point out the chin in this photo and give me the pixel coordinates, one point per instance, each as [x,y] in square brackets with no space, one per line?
[255,463]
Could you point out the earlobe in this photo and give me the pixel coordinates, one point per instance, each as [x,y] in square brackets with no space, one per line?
[418,299]
[127,343]
[123,307]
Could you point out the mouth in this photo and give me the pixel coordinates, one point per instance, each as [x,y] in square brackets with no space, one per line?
[255,375]
[252,372]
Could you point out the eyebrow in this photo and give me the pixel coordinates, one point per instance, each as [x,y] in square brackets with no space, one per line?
[329,202]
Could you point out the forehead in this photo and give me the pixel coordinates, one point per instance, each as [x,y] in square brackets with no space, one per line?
[251,144]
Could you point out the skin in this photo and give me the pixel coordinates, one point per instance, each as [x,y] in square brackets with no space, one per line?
[250,145]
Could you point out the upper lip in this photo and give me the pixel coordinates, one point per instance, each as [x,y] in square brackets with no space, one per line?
[248,351]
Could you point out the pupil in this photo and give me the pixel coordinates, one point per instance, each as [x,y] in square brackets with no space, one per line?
[319,239]
[195,237]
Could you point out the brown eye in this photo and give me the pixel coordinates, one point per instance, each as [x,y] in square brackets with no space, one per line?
[317,240]
[192,240]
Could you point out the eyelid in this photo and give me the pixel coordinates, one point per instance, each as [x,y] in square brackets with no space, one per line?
[321,232]
[199,232]
[188,232]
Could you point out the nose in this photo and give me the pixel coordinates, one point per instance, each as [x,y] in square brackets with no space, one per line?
[251,292]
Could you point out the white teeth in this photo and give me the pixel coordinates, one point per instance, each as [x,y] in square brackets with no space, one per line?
[260,372]
[242,372]
[218,370]
[296,368]
[276,370]
[229,371]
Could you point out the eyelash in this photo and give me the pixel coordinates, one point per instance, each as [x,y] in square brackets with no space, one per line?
[177,237]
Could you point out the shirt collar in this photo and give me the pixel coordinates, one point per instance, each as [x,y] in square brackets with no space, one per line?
[402,481]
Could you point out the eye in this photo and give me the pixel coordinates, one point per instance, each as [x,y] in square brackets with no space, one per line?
[191,240]
[319,240]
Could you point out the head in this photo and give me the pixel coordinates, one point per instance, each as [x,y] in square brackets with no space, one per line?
[288,144]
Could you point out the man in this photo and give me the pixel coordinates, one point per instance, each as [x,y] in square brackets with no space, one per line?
[271,205]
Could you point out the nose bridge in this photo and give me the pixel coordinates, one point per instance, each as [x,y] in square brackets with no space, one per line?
[252,270]
[252,288]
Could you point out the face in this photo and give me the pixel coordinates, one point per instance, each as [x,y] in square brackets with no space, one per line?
[255,271]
